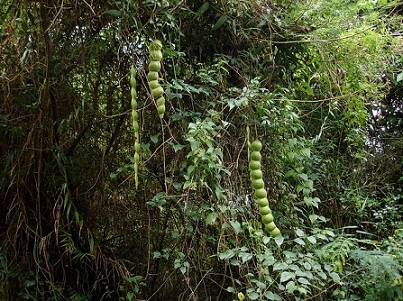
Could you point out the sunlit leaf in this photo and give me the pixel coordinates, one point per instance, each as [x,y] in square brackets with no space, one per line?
[285,276]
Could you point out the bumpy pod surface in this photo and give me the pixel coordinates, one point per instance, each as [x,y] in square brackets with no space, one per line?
[157,92]
[135,123]
[257,183]
[153,78]
[155,45]
[264,210]
[154,66]
[256,174]
[152,75]
[155,55]
[260,192]
[256,146]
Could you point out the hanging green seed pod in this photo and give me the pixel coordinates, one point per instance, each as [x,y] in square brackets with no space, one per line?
[270,226]
[155,55]
[264,210]
[153,84]
[257,184]
[135,117]
[156,45]
[157,92]
[153,78]
[155,66]
[263,202]
[256,174]
[260,192]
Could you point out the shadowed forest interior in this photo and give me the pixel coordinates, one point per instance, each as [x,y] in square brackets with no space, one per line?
[201,150]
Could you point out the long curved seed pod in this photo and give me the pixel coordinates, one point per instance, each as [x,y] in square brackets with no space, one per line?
[260,192]
[153,78]
[135,118]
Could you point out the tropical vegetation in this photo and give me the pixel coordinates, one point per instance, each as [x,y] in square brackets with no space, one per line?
[201,150]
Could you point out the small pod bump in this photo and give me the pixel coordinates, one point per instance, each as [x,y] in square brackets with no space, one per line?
[154,84]
[264,210]
[256,174]
[133,76]
[152,75]
[161,111]
[135,115]
[137,147]
[267,218]
[270,226]
[155,55]
[255,156]
[275,233]
[255,165]
[154,66]
[157,92]
[263,202]
[261,193]
[155,45]
[257,184]
[160,101]
[256,146]
[135,126]
[134,105]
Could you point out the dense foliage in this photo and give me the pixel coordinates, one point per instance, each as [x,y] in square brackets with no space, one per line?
[125,176]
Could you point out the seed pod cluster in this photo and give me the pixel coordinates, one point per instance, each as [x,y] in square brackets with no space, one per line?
[135,121]
[153,78]
[260,193]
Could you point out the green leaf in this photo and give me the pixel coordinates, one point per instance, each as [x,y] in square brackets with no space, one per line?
[130,296]
[202,9]
[272,296]
[226,255]
[335,276]
[230,289]
[302,290]
[291,287]
[113,12]
[399,77]
[246,257]
[252,295]
[154,138]
[219,22]
[303,281]
[285,276]
[211,218]
[306,152]
[312,239]
[178,147]
[278,266]
[260,285]
[307,265]
[279,240]
[237,226]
